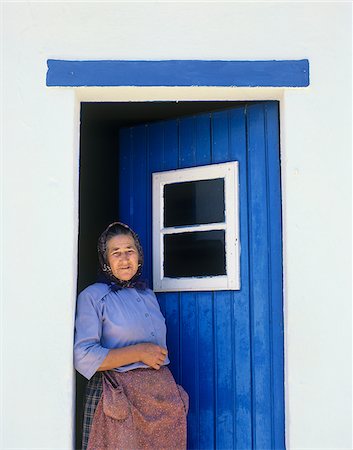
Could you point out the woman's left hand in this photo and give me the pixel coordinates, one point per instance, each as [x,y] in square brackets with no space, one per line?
[151,354]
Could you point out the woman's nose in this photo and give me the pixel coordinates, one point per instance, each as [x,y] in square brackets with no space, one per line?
[124,256]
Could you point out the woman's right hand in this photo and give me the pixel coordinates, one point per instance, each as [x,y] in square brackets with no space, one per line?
[151,354]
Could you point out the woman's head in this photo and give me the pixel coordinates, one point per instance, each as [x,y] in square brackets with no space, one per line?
[120,254]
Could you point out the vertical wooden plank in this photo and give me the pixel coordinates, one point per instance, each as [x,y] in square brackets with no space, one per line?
[242,350]
[148,212]
[161,297]
[170,155]
[223,316]
[188,305]
[206,370]
[125,194]
[275,247]
[169,159]
[172,318]
[259,279]
[224,367]
[187,145]
[220,137]
[190,358]
[163,154]
[203,140]
[139,217]
[155,149]
[205,331]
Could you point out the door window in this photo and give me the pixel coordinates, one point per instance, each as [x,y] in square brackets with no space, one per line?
[195,229]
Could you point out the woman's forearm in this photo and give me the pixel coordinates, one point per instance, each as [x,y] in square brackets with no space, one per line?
[118,357]
[150,354]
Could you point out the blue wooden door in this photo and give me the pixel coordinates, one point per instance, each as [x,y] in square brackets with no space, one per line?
[226,347]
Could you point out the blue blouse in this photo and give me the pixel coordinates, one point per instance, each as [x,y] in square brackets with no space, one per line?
[107,319]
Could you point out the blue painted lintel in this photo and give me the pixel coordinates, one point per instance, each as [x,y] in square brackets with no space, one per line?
[284,73]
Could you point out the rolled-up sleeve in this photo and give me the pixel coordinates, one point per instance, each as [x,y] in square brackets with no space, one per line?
[88,351]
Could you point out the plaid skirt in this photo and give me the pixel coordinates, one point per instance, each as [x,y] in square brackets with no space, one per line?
[94,390]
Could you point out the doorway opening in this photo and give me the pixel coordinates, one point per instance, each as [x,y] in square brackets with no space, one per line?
[99,179]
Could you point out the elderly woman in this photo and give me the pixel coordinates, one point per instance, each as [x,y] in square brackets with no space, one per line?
[132,400]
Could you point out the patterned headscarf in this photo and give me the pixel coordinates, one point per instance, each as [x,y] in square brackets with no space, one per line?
[106,274]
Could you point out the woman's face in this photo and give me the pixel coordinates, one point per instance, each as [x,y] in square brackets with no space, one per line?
[122,256]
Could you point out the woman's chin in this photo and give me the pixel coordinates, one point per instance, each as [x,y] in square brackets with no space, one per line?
[125,276]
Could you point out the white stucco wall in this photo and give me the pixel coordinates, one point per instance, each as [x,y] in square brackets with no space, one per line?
[40,192]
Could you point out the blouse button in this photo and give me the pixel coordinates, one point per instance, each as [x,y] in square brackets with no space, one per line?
[146,314]
[138,299]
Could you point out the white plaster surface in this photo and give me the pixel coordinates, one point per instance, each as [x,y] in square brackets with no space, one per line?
[40,205]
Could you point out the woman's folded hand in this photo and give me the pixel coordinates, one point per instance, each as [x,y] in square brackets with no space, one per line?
[151,354]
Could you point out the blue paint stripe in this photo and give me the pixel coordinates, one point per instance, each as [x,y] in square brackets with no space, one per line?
[285,73]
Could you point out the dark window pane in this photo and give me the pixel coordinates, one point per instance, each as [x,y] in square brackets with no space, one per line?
[194,202]
[196,254]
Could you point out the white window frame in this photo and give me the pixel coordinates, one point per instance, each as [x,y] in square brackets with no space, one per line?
[231,281]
